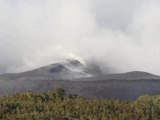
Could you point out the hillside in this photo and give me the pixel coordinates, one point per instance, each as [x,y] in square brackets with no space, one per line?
[82,79]
[65,70]
[58,105]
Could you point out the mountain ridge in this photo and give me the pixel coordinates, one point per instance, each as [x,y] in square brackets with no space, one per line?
[75,70]
[124,86]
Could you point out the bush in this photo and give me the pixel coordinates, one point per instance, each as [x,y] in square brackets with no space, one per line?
[57,105]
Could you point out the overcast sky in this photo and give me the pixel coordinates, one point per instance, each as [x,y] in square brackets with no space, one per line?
[122,34]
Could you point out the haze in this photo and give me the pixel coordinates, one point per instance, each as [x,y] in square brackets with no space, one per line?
[123,35]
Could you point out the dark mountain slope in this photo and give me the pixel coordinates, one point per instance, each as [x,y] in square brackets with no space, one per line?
[68,70]
[82,79]
[111,89]
[134,75]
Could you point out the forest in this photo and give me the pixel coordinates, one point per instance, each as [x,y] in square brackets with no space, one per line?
[57,105]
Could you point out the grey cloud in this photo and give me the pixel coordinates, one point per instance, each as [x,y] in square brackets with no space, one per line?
[121,34]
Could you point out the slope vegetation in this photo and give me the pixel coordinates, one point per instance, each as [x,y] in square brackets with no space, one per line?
[56,105]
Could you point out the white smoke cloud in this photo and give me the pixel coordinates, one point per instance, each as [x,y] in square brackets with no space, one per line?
[123,35]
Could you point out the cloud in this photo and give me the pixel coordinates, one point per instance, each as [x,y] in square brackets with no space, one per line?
[123,35]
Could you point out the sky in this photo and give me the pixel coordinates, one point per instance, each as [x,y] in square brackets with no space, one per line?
[120,34]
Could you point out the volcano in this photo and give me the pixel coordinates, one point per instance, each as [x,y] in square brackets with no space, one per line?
[84,79]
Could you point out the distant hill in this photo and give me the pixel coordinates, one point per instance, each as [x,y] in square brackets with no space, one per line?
[82,79]
[67,70]
[134,75]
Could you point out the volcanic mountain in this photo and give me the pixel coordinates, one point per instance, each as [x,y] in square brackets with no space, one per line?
[85,79]
[67,70]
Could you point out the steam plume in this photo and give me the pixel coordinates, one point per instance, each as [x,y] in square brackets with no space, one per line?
[124,34]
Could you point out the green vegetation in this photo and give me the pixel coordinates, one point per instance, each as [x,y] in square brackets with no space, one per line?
[56,105]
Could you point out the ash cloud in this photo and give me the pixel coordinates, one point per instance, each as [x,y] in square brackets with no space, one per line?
[122,35]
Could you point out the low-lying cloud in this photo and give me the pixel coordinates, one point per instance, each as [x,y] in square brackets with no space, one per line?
[124,35]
